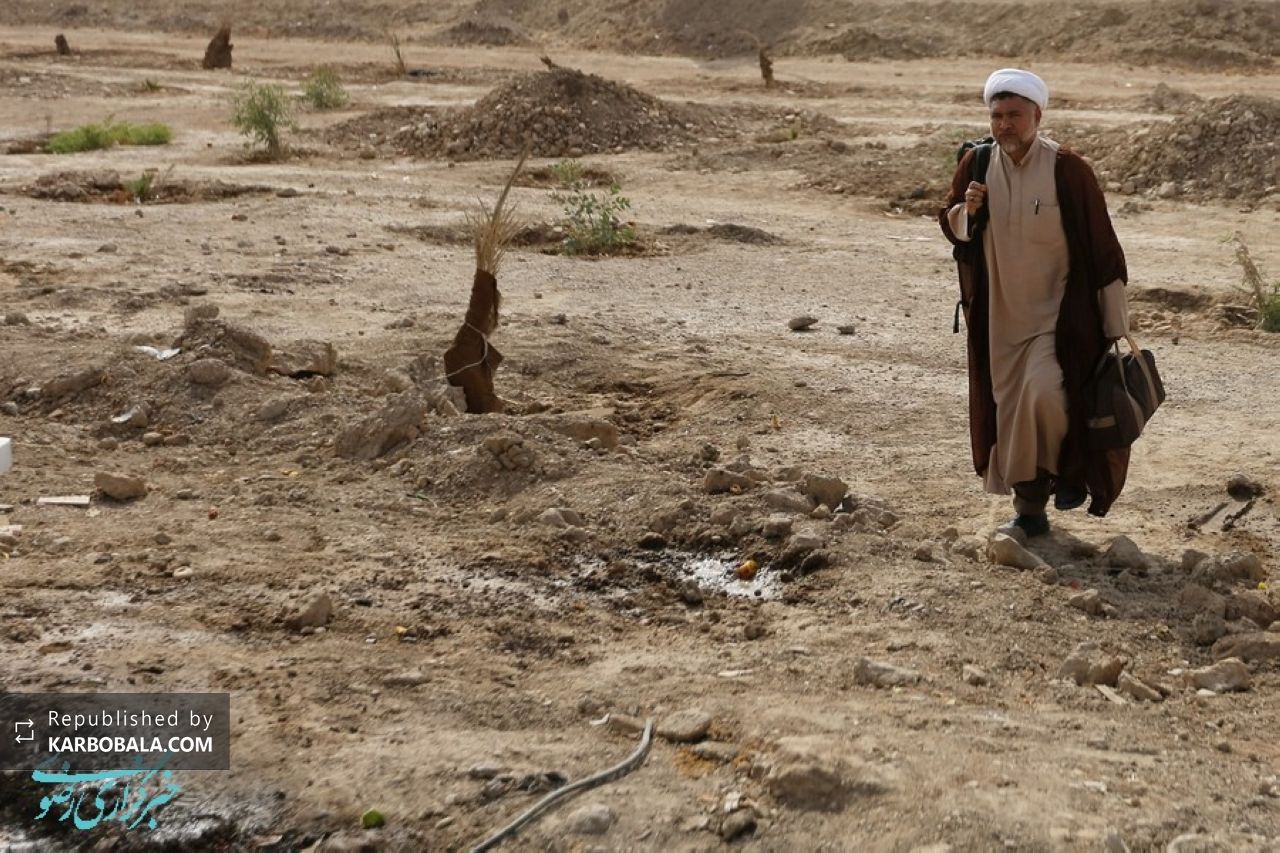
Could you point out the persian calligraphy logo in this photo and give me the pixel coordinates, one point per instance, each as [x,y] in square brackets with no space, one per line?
[128,797]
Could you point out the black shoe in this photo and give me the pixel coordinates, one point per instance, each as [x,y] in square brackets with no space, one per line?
[1032,525]
[1069,498]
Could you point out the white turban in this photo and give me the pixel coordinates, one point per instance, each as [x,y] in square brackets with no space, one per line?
[1018,82]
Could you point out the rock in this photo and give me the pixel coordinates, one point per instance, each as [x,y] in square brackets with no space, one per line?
[1137,688]
[1124,554]
[183,572]
[1014,532]
[875,673]
[209,372]
[753,630]
[408,678]
[625,724]
[1004,550]
[1253,605]
[820,513]
[576,535]
[691,594]
[552,518]
[304,359]
[1207,628]
[121,487]
[653,541]
[1169,189]
[776,527]
[801,323]
[1257,645]
[74,382]
[788,502]
[810,785]
[800,544]
[1201,600]
[1238,566]
[586,429]
[484,772]
[970,547]
[847,329]
[1224,676]
[814,562]
[1048,576]
[315,615]
[716,751]
[138,417]
[273,410]
[397,423]
[1192,843]
[1089,601]
[829,491]
[739,823]
[723,516]
[685,726]
[591,819]
[1192,558]
[719,480]
[1087,665]
[1243,487]
[974,676]
[928,552]
[9,408]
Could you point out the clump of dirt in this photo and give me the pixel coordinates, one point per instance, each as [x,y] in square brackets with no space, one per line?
[727,231]
[1222,148]
[555,113]
[109,188]
[218,53]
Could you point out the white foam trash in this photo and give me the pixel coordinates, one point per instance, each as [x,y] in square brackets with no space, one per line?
[6,455]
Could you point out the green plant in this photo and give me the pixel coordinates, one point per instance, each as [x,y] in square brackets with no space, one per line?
[147,186]
[323,90]
[592,221]
[140,187]
[91,137]
[567,172]
[1265,298]
[261,111]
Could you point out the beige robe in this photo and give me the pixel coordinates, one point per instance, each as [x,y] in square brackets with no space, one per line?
[1027,264]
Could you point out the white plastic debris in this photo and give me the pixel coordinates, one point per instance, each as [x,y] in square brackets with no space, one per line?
[161,354]
[6,455]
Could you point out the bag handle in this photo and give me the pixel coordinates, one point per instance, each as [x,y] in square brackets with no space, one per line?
[1142,364]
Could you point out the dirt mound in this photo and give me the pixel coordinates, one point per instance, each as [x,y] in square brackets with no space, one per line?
[557,113]
[109,188]
[486,33]
[1221,148]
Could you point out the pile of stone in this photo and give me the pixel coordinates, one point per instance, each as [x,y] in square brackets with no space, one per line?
[1222,148]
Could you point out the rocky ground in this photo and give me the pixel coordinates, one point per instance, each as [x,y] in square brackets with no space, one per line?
[731,492]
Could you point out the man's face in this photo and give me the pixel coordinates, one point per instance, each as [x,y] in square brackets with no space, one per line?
[1014,122]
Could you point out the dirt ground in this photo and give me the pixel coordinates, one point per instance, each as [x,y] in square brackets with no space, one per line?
[501,584]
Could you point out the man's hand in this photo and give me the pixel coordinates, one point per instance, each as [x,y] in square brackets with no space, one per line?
[975,197]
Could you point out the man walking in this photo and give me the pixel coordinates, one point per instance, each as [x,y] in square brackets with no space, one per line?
[1042,287]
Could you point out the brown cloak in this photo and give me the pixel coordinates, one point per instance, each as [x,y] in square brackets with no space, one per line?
[1096,260]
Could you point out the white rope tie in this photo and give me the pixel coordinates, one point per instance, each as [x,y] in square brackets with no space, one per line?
[484,353]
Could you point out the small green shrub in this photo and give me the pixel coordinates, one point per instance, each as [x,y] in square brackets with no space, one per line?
[1271,312]
[567,172]
[92,137]
[1265,297]
[140,188]
[323,90]
[592,221]
[261,111]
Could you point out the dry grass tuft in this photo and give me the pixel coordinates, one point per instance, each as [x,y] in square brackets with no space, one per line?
[493,230]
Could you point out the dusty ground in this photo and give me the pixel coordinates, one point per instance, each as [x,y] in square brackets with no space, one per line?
[469,633]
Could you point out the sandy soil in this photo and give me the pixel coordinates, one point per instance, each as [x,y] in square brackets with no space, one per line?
[476,642]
